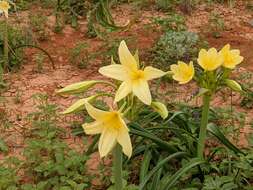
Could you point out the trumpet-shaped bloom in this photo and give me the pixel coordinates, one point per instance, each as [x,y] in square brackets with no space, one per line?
[134,79]
[182,72]
[112,128]
[4,7]
[231,58]
[210,60]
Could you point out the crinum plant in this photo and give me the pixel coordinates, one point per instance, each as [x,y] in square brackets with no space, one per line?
[4,9]
[216,68]
[131,90]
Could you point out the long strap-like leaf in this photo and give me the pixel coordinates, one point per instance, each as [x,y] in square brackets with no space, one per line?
[174,178]
[158,166]
[215,131]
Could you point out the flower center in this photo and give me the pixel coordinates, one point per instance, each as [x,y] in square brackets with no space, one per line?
[4,6]
[137,75]
[113,120]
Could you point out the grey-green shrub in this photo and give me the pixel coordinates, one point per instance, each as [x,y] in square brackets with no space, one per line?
[174,46]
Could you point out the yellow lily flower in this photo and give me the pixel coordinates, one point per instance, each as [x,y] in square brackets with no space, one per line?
[4,7]
[134,79]
[112,128]
[182,72]
[231,58]
[209,60]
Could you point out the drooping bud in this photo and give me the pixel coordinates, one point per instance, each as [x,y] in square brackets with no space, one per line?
[77,87]
[233,85]
[78,105]
[160,108]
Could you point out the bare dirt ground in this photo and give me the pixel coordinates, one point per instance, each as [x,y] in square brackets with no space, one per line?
[26,82]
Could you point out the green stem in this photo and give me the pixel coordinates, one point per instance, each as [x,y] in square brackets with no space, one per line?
[6,48]
[203,125]
[117,167]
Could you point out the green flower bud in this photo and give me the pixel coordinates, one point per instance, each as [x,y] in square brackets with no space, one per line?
[160,108]
[233,85]
[77,87]
[78,105]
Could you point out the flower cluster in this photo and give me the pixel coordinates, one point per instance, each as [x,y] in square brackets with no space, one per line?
[216,67]
[111,124]
[4,7]
[133,82]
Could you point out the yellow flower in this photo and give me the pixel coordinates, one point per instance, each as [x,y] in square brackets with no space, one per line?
[231,58]
[112,128]
[209,60]
[134,79]
[4,7]
[182,72]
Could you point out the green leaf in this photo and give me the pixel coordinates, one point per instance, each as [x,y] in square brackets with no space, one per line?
[158,166]
[3,146]
[137,130]
[215,131]
[202,91]
[174,178]
[145,164]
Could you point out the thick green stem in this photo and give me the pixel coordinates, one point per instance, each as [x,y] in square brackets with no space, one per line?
[1,75]
[6,46]
[203,125]
[117,167]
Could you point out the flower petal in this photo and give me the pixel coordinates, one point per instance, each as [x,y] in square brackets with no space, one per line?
[124,140]
[182,72]
[124,89]
[115,71]
[152,73]
[141,90]
[231,58]
[126,58]
[210,60]
[107,141]
[93,128]
[95,113]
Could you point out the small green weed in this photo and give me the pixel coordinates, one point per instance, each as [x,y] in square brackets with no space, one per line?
[216,24]
[173,22]
[80,56]
[38,24]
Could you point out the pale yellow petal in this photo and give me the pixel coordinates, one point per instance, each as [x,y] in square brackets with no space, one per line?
[95,113]
[116,71]
[182,72]
[152,73]
[210,60]
[141,90]
[124,89]
[174,68]
[6,13]
[202,57]
[124,140]
[93,128]
[226,48]
[182,65]
[126,58]
[238,60]
[235,52]
[107,141]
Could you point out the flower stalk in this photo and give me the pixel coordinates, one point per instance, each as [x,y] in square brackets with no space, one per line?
[6,45]
[117,167]
[203,125]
